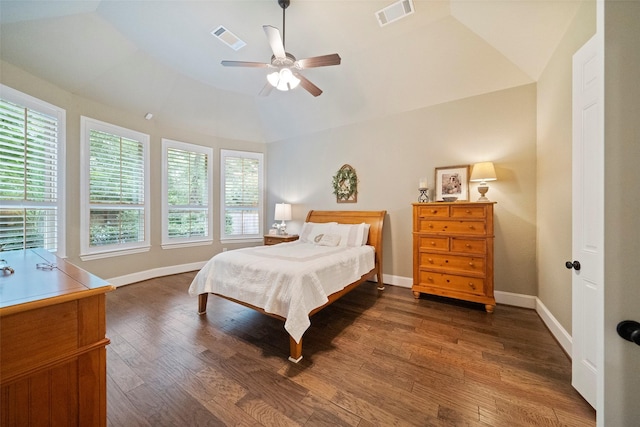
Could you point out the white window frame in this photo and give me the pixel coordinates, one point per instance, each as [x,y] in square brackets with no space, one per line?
[168,242]
[245,238]
[32,103]
[86,251]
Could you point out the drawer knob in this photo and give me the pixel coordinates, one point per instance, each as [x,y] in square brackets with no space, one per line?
[467,245]
[468,211]
[471,227]
[430,225]
[433,211]
[430,260]
[433,243]
[472,286]
[471,264]
[430,279]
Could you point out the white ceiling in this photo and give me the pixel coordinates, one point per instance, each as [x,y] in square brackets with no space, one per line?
[159,56]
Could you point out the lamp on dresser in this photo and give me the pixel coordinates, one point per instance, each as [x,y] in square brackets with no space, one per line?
[283,213]
[483,172]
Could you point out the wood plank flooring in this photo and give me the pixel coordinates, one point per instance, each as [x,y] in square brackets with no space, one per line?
[369,360]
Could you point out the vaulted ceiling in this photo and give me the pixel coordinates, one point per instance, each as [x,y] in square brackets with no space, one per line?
[159,56]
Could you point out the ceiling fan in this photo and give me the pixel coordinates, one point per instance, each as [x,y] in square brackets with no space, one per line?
[285,74]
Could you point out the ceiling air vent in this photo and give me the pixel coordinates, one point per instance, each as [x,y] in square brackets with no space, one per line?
[395,11]
[228,38]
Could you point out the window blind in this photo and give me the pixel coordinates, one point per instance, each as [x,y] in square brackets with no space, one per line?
[116,189]
[187,194]
[28,178]
[242,194]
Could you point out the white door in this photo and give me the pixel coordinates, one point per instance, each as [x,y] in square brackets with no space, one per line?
[588,222]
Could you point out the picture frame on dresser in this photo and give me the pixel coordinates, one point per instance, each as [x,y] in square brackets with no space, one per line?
[452,181]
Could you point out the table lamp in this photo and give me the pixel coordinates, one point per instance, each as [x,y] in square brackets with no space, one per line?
[483,172]
[283,213]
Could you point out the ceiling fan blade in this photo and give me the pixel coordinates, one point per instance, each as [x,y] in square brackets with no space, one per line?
[266,90]
[245,64]
[275,41]
[308,86]
[320,61]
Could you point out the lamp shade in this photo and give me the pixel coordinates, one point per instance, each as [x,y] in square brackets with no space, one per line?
[283,80]
[283,212]
[483,172]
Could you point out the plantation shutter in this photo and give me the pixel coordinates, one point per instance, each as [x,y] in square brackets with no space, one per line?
[116,189]
[28,178]
[187,194]
[242,195]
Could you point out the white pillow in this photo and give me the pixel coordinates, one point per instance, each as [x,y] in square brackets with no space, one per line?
[351,234]
[327,240]
[312,229]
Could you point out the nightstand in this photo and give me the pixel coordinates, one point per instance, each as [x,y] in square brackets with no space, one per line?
[274,239]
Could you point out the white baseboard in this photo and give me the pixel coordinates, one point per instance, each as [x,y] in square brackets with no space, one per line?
[558,332]
[155,272]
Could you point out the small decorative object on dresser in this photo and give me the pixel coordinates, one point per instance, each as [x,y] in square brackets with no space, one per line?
[270,239]
[423,189]
[452,181]
[453,251]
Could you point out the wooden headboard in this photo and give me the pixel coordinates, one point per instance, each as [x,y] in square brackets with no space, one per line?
[375,219]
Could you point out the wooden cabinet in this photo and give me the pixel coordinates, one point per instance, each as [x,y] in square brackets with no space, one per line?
[274,239]
[52,335]
[453,251]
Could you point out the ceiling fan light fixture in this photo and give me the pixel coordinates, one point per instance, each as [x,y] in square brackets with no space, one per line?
[283,79]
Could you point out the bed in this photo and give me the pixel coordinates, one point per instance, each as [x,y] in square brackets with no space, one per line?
[337,251]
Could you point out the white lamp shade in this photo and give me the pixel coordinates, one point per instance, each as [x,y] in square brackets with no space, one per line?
[283,80]
[283,212]
[483,172]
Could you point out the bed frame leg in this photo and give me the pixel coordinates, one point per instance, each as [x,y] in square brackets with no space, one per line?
[202,303]
[295,350]
[379,278]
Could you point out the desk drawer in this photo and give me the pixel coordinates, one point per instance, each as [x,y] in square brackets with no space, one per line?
[470,246]
[463,264]
[432,211]
[452,227]
[434,281]
[433,243]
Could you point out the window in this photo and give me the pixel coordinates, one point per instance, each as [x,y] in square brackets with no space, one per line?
[114,190]
[32,157]
[241,194]
[186,184]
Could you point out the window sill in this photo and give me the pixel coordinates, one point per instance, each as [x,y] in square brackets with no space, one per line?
[186,244]
[109,254]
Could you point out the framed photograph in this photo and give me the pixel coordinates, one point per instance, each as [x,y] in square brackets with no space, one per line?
[452,181]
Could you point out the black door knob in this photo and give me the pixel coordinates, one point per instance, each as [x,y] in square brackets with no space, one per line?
[629,330]
[575,265]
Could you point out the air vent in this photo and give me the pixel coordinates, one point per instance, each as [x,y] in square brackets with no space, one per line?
[228,38]
[395,11]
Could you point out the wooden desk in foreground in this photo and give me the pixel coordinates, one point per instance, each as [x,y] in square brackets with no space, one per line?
[52,342]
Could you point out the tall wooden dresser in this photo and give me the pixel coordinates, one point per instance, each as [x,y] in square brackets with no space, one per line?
[52,342]
[453,251]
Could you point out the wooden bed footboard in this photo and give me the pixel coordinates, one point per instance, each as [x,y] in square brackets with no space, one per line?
[375,219]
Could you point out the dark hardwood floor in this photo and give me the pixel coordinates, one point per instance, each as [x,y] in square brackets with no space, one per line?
[369,360]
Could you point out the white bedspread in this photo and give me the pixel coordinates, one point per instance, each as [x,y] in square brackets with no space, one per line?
[288,279]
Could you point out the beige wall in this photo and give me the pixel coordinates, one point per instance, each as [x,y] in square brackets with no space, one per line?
[391,154]
[156,258]
[554,169]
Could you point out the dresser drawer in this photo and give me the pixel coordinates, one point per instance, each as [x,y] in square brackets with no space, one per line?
[433,281]
[432,211]
[468,211]
[470,246]
[458,263]
[433,243]
[452,227]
